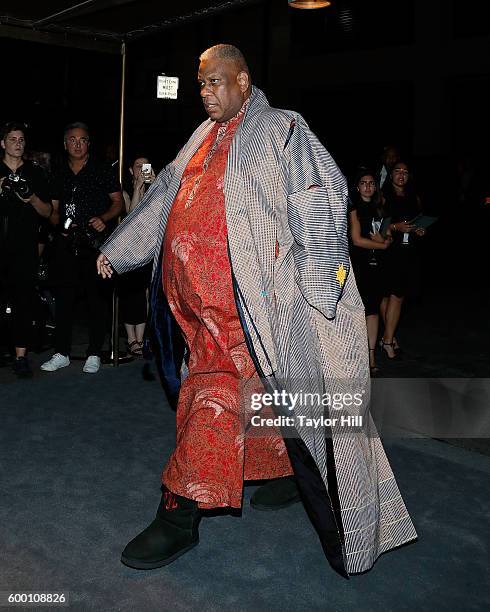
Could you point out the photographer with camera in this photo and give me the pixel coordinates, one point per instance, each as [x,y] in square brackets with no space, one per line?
[24,201]
[87,201]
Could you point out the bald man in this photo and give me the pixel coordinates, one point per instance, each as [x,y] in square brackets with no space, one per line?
[247,232]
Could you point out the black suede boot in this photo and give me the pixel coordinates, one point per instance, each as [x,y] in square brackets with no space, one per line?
[173,532]
[276,494]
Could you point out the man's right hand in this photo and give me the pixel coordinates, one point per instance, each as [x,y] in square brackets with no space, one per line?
[104,267]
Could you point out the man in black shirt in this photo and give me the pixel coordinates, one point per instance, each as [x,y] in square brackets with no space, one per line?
[87,201]
[24,201]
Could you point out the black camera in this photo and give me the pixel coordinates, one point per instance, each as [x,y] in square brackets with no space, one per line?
[14,183]
[83,240]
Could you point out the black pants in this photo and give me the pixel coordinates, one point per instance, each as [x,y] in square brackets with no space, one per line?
[75,274]
[18,266]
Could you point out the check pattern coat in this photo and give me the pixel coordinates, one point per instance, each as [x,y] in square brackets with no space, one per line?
[285,202]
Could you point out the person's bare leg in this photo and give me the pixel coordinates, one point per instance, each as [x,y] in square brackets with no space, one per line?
[382,309]
[372,324]
[21,365]
[131,332]
[393,312]
[140,332]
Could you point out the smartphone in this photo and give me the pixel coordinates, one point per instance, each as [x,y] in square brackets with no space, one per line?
[146,171]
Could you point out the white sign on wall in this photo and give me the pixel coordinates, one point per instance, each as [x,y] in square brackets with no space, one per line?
[167,87]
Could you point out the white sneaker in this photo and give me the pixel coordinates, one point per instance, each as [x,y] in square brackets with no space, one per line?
[56,362]
[92,365]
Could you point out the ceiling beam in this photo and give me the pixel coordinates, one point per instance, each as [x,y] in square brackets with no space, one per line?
[61,39]
[195,15]
[93,40]
[88,7]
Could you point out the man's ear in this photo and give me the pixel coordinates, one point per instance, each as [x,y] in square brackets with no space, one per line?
[64,144]
[2,142]
[243,80]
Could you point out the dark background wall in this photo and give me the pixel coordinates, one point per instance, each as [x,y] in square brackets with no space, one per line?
[363,74]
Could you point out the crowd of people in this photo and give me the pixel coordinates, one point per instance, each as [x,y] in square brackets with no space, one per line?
[384,249]
[56,217]
[74,207]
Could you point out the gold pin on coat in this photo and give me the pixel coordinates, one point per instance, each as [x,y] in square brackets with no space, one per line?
[341,274]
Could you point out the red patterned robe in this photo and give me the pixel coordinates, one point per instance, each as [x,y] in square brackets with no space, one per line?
[213,456]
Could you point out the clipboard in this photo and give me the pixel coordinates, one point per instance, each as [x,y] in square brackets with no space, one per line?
[423,221]
[420,221]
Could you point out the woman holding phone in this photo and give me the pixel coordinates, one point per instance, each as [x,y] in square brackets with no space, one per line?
[134,285]
[142,176]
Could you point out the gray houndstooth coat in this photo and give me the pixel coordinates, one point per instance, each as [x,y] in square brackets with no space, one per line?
[302,316]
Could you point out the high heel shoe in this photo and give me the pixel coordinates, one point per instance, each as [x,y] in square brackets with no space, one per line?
[373,369]
[396,347]
[390,344]
[135,348]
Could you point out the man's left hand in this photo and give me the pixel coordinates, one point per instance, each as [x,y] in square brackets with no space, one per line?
[104,267]
[28,200]
[97,224]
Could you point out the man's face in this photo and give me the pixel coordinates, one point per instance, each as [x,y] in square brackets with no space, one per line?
[14,144]
[223,88]
[390,157]
[76,143]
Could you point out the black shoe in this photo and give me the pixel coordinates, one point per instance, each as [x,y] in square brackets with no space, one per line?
[22,368]
[173,532]
[276,494]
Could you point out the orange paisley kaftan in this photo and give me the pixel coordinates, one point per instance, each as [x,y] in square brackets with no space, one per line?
[213,456]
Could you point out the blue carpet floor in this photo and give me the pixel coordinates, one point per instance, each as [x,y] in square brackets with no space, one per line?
[80,460]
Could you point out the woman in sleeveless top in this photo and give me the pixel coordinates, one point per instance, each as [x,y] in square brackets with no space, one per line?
[402,205]
[366,249]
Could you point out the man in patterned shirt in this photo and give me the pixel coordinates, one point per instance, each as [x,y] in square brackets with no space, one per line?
[247,231]
[87,200]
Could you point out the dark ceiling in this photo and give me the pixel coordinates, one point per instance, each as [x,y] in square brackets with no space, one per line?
[110,21]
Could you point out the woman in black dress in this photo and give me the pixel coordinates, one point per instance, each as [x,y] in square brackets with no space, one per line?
[402,205]
[367,244]
[133,285]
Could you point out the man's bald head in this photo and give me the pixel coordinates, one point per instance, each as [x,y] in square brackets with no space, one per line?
[228,53]
[224,81]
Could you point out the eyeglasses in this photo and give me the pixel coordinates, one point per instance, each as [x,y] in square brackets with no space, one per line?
[370,183]
[73,140]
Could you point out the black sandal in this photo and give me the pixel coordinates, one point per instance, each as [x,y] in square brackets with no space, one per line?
[135,348]
[396,347]
[383,344]
[374,370]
